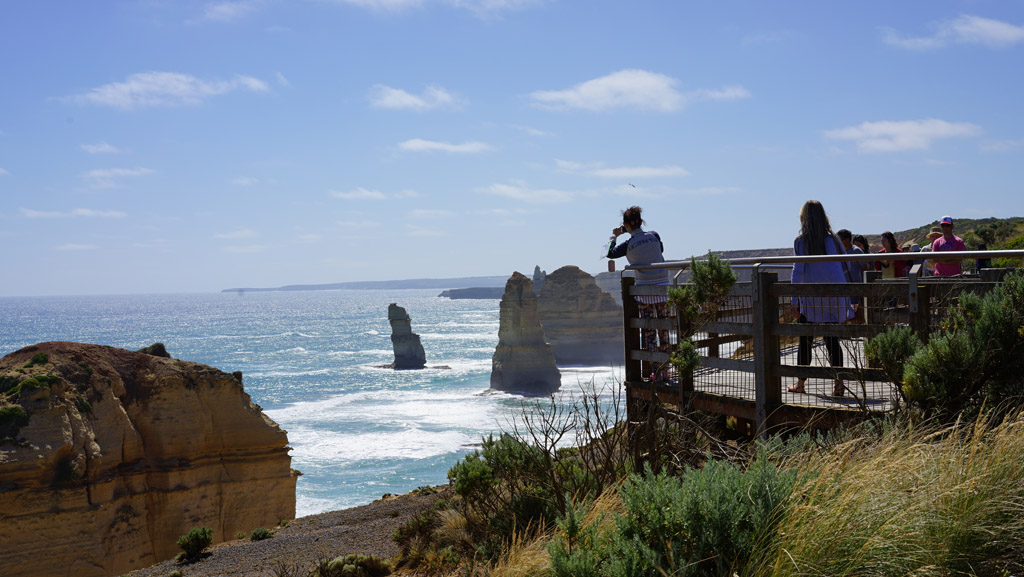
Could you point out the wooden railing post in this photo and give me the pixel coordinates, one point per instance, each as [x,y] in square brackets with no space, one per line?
[767,383]
[631,340]
[920,319]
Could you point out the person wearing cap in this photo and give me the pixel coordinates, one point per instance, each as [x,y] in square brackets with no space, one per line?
[946,243]
[929,265]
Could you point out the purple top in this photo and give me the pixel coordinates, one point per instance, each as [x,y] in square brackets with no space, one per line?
[821,309]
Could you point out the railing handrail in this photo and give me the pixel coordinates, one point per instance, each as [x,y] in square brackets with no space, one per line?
[883,256]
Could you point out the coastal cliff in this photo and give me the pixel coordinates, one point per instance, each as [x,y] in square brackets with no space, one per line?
[582,323]
[107,456]
[523,361]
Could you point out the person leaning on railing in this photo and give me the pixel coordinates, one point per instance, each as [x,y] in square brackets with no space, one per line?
[816,238]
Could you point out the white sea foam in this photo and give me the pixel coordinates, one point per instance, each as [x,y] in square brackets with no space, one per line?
[289,374]
[317,445]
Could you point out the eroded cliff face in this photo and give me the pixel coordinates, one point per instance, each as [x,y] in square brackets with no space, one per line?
[122,453]
[522,362]
[582,323]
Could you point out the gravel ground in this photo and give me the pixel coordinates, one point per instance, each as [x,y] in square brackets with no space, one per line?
[366,530]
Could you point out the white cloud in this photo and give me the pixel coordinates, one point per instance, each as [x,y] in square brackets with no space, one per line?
[430,213]
[229,11]
[71,246]
[156,89]
[413,230]
[248,249]
[381,96]
[245,181]
[74,213]
[4,172]
[235,234]
[530,130]
[101,148]
[359,194]
[107,177]
[421,145]
[622,173]
[726,93]
[627,172]
[965,29]
[281,79]
[888,136]
[520,190]
[308,238]
[711,190]
[623,89]
[1002,145]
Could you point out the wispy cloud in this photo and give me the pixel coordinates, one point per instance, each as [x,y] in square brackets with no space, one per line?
[965,29]
[359,194]
[421,231]
[247,249]
[636,89]
[1002,145]
[245,181]
[165,89]
[108,177]
[308,238]
[430,213]
[888,136]
[620,173]
[236,234]
[520,190]
[421,145]
[74,213]
[230,11]
[530,130]
[4,172]
[74,247]
[381,96]
[102,148]
[482,8]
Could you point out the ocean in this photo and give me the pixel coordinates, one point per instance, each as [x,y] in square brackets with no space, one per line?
[312,360]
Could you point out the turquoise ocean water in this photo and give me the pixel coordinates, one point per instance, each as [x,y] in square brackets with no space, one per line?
[311,359]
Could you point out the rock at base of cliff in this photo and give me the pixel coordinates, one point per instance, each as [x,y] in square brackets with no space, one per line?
[409,352]
[523,361]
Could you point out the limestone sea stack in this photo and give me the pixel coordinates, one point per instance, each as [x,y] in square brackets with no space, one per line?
[523,361]
[582,322]
[107,456]
[408,349]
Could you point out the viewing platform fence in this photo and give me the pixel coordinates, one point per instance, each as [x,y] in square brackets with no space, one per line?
[748,352]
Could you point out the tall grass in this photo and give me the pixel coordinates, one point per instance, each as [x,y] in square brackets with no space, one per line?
[915,501]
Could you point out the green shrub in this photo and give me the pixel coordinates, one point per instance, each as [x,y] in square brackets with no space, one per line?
[710,521]
[194,543]
[174,573]
[891,350]
[241,535]
[83,405]
[8,382]
[37,359]
[260,534]
[353,566]
[12,419]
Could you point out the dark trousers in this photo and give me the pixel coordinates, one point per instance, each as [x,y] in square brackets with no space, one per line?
[832,345]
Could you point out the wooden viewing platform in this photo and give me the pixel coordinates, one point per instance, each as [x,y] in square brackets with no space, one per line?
[748,354]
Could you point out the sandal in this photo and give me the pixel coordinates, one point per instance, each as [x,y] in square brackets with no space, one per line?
[798,387]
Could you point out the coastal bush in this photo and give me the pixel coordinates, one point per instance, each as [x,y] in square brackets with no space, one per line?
[708,521]
[174,573]
[37,359]
[12,419]
[83,405]
[194,542]
[697,304]
[353,566]
[975,361]
[260,534]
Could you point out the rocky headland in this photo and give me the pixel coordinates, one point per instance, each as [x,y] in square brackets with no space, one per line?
[107,456]
[582,323]
[523,361]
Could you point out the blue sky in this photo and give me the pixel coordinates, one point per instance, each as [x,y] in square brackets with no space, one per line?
[189,146]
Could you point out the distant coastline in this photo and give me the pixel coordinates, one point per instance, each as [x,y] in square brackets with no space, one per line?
[419,283]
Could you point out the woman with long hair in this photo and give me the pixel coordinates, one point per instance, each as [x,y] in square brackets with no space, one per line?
[816,238]
[891,268]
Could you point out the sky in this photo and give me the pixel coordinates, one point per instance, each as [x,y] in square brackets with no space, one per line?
[151,146]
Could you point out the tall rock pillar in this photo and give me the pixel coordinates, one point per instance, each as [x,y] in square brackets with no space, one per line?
[408,349]
[523,361]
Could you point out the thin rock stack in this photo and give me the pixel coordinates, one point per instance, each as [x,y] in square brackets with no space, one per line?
[523,361]
[408,349]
